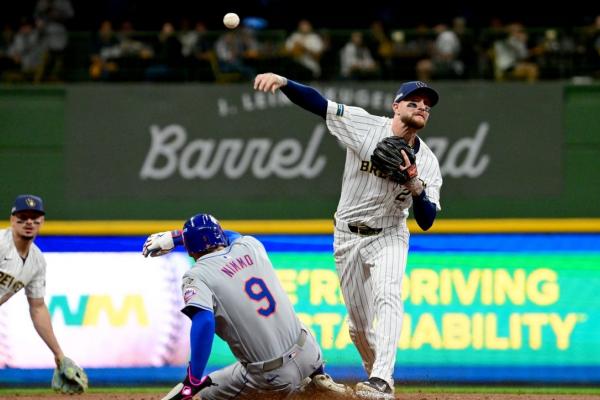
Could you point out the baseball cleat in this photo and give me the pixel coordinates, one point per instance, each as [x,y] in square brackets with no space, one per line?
[374,388]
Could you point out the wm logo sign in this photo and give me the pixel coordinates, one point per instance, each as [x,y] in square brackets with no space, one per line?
[89,308]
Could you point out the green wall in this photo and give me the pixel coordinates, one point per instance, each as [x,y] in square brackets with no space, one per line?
[81,147]
[32,131]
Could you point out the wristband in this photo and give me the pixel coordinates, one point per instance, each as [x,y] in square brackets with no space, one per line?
[177,236]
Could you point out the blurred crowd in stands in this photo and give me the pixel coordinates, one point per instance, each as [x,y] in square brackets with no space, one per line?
[40,48]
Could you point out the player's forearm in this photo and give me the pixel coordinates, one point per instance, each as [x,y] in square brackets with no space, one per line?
[201,338]
[306,97]
[5,298]
[177,236]
[425,211]
[43,326]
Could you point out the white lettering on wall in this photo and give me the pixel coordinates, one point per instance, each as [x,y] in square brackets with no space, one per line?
[462,158]
[170,153]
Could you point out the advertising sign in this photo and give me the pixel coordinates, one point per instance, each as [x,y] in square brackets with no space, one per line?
[151,146]
[506,305]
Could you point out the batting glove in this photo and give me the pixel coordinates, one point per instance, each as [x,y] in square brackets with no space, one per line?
[161,243]
[188,388]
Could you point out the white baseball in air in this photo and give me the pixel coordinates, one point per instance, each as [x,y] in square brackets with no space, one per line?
[231,20]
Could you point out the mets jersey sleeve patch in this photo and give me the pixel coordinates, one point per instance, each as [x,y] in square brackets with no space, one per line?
[197,294]
[340,110]
[188,294]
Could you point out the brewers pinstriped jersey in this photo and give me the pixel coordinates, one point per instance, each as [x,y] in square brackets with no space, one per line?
[371,266]
[365,197]
[16,273]
[253,313]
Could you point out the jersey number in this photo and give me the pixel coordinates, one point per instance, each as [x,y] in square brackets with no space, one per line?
[257,290]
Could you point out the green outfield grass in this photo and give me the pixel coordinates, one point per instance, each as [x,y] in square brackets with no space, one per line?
[118,389]
[498,389]
[399,389]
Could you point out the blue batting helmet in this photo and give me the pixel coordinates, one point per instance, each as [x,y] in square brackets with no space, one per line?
[203,232]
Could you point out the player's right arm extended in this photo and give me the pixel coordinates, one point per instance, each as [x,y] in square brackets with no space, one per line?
[40,317]
[304,96]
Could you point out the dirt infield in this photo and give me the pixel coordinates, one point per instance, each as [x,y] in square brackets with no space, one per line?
[403,396]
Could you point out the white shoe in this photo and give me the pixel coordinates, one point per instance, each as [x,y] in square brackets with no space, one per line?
[374,388]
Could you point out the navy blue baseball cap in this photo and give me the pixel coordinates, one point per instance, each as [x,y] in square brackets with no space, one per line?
[412,87]
[28,202]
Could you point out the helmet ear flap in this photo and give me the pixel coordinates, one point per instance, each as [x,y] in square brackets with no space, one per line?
[203,232]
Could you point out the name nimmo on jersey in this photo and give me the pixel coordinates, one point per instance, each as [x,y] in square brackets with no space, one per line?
[234,266]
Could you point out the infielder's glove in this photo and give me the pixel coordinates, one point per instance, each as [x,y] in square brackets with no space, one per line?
[161,243]
[69,378]
[388,158]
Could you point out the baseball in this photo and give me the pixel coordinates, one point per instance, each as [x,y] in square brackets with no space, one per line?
[231,20]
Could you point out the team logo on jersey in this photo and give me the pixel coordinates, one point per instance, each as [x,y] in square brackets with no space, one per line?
[188,294]
[367,166]
[9,282]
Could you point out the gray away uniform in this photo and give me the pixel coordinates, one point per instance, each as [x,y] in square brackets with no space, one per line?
[254,315]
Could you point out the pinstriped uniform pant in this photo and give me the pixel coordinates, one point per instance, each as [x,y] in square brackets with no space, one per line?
[370,269]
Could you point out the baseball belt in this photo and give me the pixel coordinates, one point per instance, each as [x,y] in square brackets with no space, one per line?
[361,229]
[278,362]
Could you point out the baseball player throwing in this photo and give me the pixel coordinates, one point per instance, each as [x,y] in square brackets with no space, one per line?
[233,291]
[22,265]
[371,236]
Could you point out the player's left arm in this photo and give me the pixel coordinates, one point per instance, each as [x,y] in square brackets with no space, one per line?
[43,325]
[201,338]
[425,210]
